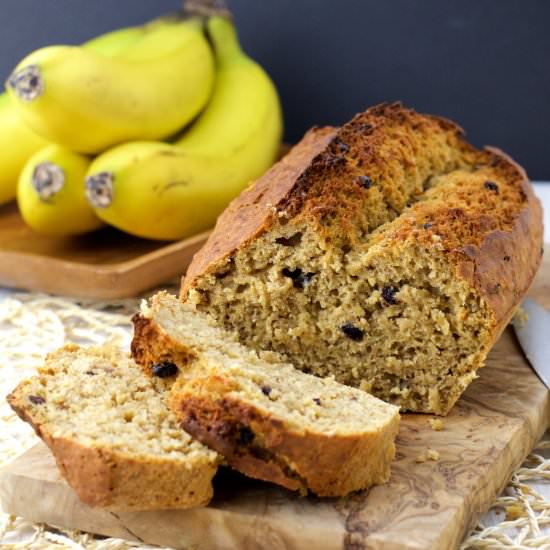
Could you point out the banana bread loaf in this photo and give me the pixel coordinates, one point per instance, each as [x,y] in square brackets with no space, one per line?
[388,253]
[112,434]
[269,420]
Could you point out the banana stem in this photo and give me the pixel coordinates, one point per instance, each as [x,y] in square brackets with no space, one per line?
[27,83]
[207,7]
[223,37]
[99,189]
[47,180]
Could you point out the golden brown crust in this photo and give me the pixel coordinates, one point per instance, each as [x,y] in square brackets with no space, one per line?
[107,479]
[264,447]
[506,262]
[216,425]
[496,246]
[81,467]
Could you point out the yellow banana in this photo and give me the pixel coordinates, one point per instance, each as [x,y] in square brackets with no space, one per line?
[18,142]
[50,193]
[163,191]
[87,102]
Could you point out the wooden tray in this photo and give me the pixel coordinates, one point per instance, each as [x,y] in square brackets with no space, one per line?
[425,506]
[103,264]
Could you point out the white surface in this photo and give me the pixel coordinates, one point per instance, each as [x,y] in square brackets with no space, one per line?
[542,191]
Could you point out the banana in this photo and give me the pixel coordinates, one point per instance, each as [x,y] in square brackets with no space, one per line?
[18,142]
[162,191]
[88,102]
[50,193]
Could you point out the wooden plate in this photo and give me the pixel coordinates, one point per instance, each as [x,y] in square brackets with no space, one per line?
[103,264]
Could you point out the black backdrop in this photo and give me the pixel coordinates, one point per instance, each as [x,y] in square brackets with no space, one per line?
[483,63]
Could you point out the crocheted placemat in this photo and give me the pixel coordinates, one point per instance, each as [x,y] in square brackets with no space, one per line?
[32,325]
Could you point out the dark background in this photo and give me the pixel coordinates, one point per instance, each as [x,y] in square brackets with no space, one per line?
[483,63]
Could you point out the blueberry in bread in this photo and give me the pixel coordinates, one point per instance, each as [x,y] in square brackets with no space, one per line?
[388,253]
[112,434]
[268,419]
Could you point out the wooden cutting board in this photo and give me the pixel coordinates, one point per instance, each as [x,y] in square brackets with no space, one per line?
[426,505]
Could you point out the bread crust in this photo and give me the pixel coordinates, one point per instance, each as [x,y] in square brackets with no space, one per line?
[504,283]
[115,480]
[328,466]
[501,283]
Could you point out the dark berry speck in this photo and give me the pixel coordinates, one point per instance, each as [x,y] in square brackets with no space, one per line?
[299,278]
[352,332]
[492,186]
[506,258]
[341,146]
[246,435]
[317,401]
[427,225]
[266,390]
[364,181]
[36,400]
[388,295]
[164,369]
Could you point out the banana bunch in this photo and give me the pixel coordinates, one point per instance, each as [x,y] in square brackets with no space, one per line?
[100,133]
[45,177]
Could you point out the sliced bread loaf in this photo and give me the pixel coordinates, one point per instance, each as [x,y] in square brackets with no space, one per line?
[269,420]
[388,253]
[112,434]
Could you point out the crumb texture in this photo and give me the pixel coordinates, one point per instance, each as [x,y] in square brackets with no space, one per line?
[112,433]
[388,253]
[268,419]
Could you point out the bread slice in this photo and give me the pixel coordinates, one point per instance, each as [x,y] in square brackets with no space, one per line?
[112,434]
[388,253]
[269,420]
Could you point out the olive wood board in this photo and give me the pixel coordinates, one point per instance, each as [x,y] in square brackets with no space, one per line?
[105,264]
[425,505]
